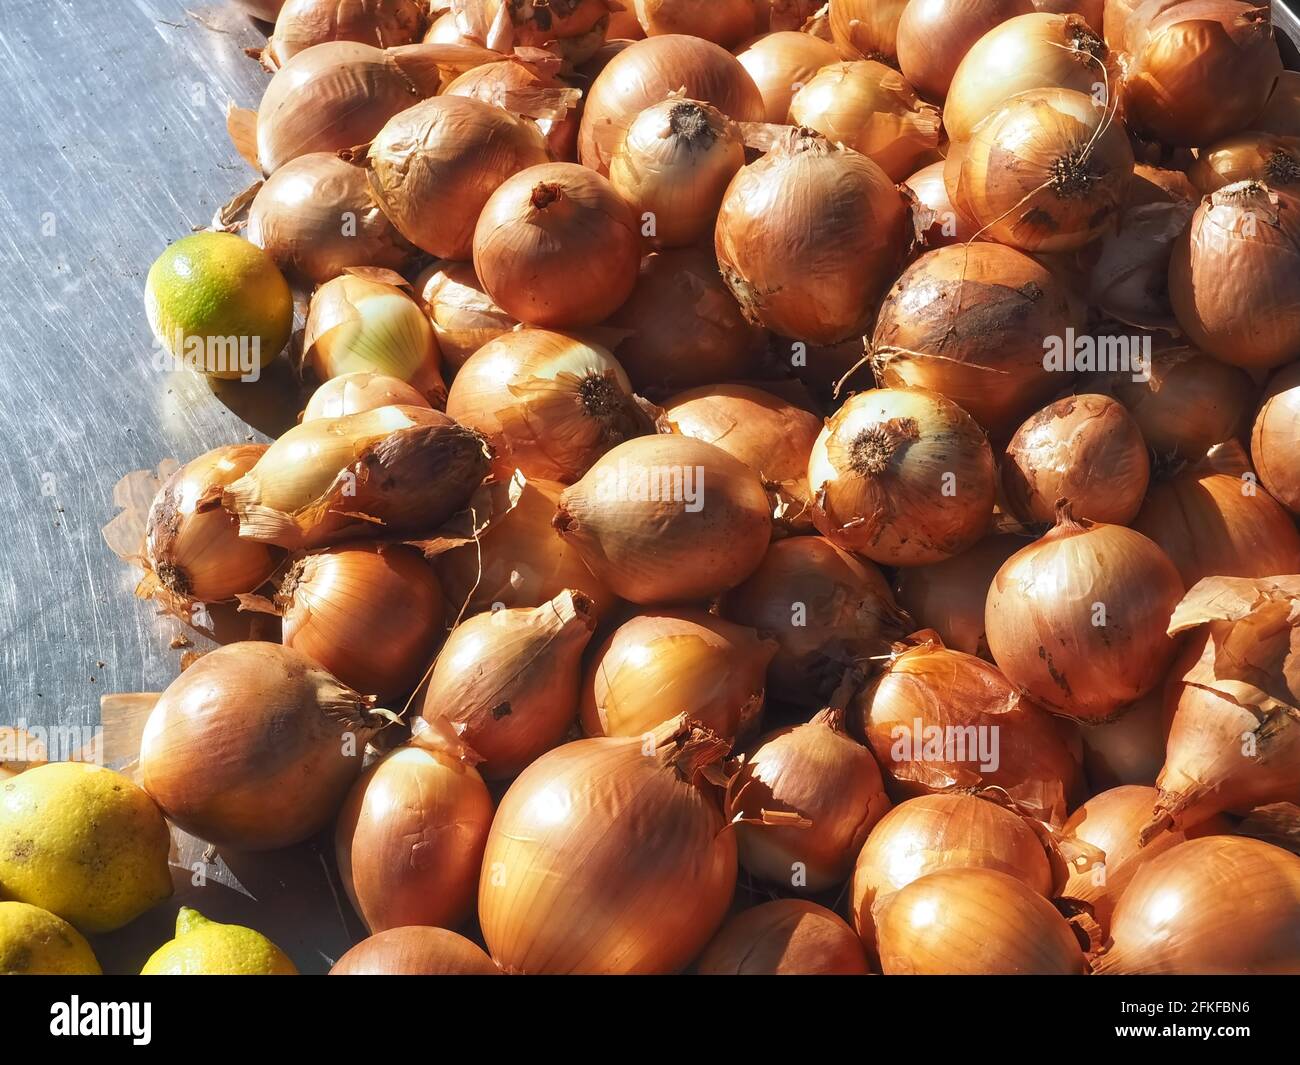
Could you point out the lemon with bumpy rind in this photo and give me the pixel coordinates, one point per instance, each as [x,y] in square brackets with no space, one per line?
[34,942]
[208,948]
[219,304]
[83,842]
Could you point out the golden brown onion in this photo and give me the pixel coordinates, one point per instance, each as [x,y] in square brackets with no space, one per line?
[1275,438]
[784,937]
[866,29]
[519,86]
[463,316]
[781,63]
[1128,750]
[573,29]
[415,951]
[304,23]
[1154,184]
[724,22]
[934,35]
[354,393]
[1266,157]
[946,225]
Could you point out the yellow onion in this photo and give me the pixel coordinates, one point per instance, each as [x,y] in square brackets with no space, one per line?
[463,316]
[370,614]
[903,476]
[254,746]
[1128,750]
[433,167]
[1199,71]
[304,23]
[939,720]
[1266,157]
[673,165]
[1281,115]
[808,238]
[1034,51]
[406,469]
[1219,905]
[803,802]
[599,827]
[933,832]
[1077,619]
[192,546]
[557,246]
[410,839]
[784,937]
[354,393]
[355,324]
[974,922]
[781,63]
[934,35]
[724,22]
[1232,276]
[1129,277]
[807,15]
[949,596]
[663,519]
[828,612]
[445,30]
[519,560]
[939,222]
[969,322]
[314,217]
[1085,448]
[1117,16]
[549,403]
[1048,171]
[624,26]
[415,951]
[657,665]
[1275,438]
[684,327]
[645,73]
[507,681]
[521,87]
[866,29]
[771,436]
[1154,184]
[573,29]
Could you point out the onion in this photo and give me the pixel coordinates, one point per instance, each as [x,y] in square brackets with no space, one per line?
[1154,184]
[939,720]
[415,951]
[1218,905]
[784,937]
[557,246]
[356,325]
[561,850]
[808,238]
[370,614]
[664,519]
[254,746]
[934,35]
[781,63]
[445,30]
[946,225]
[518,86]
[574,29]
[1129,277]
[1232,276]
[1281,115]
[549,403]
[355,393]
[673,165]
[1033,51]
[724,22]
[192,548]
[1275,438]
[664,663]
[768,434]
[866,29]
[1129,750]
[827,610]
[1199,70]
[433,167]
[970,322]
[519,561]
[1266,157]
[974,922]
[1048,171]
[381,23]
[806,15]
[463,316]
[949,596]
[903,476]
[1117,17]
[507,681]
[684,326]
[410,839]
[405,469]
[1077,619]
[1085,448]
[314,217]
[624,27]
[645,73]
[803,802]
[1091,11]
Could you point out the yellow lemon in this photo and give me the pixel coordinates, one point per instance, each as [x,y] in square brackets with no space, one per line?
[208,948]
[83,842]
[219,304]
[34,942]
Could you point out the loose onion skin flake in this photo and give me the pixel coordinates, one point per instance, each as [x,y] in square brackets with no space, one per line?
[784,937]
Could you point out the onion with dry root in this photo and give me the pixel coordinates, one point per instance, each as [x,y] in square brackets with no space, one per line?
[784,937]
[560,846]
[301,24]
[1275,438]
[416,950]
[934,35]
[355,393]
[529,90]
[254,746]
[781,63]
[1266,157]
[866,29]
[946,225]
[463,316]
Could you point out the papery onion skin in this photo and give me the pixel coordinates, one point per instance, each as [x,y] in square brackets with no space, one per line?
[1155,184]
[783,62]
[1219,905]
[1275,438]
[934,35]
[974,922]
[302,24]
[903,476]
[416,950]
[1128,750]
[254,746]
[1091,11]
[596,827]
[1129,277]
[1077,619]
[445,30]
[463,316]
[948,225]
[355,393]
[1281,115]
[507,82]
[573,29]
[784,937]
[662,663]
[724,22]
[866,29]
[1266,157]
[706,532]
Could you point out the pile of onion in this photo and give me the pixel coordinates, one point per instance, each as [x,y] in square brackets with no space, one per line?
[463,316]
[934,35]
[866,29]
[945,224]
[560,846]
[416,950]
[781,63]
[518,86]
[784,937]
[302,24]
[1266,157]
[1275,438]
[903,476]
[355,393]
